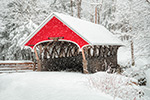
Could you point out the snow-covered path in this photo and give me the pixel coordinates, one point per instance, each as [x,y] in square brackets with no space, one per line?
[48,86]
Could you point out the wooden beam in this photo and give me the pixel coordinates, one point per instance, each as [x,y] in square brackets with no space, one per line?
[84,61]
[67,50]
[53,51]
[94,50]
[73,51]
[47,45]
[30,45]
[55,38]
[58,46]
[38,60]
[76,51]
[45,54]
[62,50]
[111,51]
[89,51]
[36,54]
[40,51]
[56,54]
[70,51]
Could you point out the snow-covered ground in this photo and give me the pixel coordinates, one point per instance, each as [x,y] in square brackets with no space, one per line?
[67,86]
[48,86]
[148,78]
[124,59]
[16,61]
[147,89]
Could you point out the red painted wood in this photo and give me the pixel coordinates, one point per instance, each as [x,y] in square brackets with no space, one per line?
[55,28]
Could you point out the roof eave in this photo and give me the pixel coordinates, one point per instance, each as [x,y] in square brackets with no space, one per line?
[113,44]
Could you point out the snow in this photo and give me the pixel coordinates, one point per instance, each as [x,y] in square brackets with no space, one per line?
[148,77]
[16,61]
[141,56]
[48,86]
[13,71]
[124,56]
[117,85]
[141,61]
[147,88]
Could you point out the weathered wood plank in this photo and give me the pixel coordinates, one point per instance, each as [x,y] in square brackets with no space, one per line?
[84,61]
[39,61]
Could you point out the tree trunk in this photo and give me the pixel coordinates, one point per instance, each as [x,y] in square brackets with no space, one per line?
[132,53]
[79,8]
[71,2]
[96,15]
[84,61]
[38,60]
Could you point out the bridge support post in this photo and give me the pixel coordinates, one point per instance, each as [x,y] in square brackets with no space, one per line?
[84,62]
[38,60]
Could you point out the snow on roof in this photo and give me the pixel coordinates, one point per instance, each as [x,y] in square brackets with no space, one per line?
[94,34]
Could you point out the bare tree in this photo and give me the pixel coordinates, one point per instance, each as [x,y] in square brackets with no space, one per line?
[96,15]
[97,5]
[132,53]
[71,2]
[79,8]
[148,1]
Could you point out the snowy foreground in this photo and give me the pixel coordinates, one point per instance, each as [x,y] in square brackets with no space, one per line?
[60,86]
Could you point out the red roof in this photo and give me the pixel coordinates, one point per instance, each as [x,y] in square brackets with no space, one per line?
[54,26]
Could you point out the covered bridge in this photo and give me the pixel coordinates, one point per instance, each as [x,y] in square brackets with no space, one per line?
[63,42]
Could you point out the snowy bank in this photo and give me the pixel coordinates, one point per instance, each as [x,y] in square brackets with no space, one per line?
[48,86]
[117,86]
[148,77]
[68,86]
